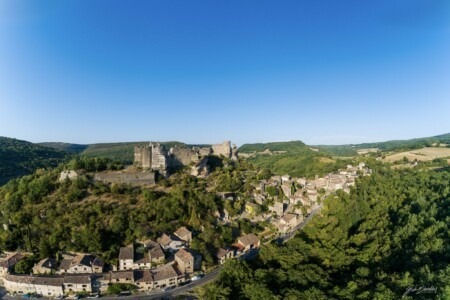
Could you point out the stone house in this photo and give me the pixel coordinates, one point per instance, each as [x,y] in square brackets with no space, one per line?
[25,284]
[126,257]
[122,276]
[277,208]
[184,234]
[8,263]
[77,283]
[248,242]
[185,261]
[82,263]
[170,242]
[155,252]
[143,279]
[167,276]
[224,254]
[45,266]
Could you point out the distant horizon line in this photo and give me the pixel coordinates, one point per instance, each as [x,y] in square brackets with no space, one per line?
[265,142]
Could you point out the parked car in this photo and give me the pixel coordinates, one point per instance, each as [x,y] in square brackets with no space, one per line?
[197,277]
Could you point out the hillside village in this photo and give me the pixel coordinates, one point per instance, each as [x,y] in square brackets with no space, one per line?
[281,201]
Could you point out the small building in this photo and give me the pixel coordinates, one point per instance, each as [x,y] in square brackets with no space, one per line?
[25,284]
[8,263]
[155,252]
[78,283]
[185,261]
[45,266]
[224,254]
[170,242]
[184,234]
[82,263]
[248,242]
[166,276]
[143,279]
[126,257]
[277,208]
[122,276]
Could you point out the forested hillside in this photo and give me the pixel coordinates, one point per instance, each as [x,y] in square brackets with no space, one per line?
[46,216]
[389,234]
[19,158]
[293,158]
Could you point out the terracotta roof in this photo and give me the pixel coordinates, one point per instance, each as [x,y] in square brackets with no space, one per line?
[248,239]
[11,260]
[143,276]
[182,232]
[127,252]
[77,279]
[184,255]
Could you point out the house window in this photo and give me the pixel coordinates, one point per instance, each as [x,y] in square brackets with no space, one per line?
[84,285]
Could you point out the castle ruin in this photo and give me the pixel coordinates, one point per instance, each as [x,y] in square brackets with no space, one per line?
[156,158]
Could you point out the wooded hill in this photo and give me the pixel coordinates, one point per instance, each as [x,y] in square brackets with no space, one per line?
[18,158]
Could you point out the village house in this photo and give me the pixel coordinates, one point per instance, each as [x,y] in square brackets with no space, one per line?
[184,234]
[8,263]
[185,261]
[81,263]
[45,266]
[122,277]
[143,279]
[277,208]
[288,222]
[170,242]
[248,242]
[130,258]
[155,252]
[223,254]
[77,283]
[25,284]
[126,257]
[166,276]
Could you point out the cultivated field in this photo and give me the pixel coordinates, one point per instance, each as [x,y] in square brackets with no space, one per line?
[424,154]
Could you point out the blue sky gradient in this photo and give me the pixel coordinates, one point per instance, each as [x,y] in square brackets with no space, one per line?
[324,72]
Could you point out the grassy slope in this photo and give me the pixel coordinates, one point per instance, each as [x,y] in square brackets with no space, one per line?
[19,158]
[297,159]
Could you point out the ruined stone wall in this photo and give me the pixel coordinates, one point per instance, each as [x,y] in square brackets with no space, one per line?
[159,158]
[143,157]
[135,179]
[222,149]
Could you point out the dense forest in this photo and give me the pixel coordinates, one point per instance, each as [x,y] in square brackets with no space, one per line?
[388,235]
[18,158]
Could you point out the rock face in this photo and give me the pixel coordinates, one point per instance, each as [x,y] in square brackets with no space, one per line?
[67,174]
[154,157]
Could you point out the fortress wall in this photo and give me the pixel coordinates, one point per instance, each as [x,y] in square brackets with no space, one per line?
[222,149]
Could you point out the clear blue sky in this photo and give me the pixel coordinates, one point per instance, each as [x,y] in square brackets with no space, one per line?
[325,72]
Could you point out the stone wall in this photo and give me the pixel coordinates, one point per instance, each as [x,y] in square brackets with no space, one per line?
[223,149]
[135,178]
